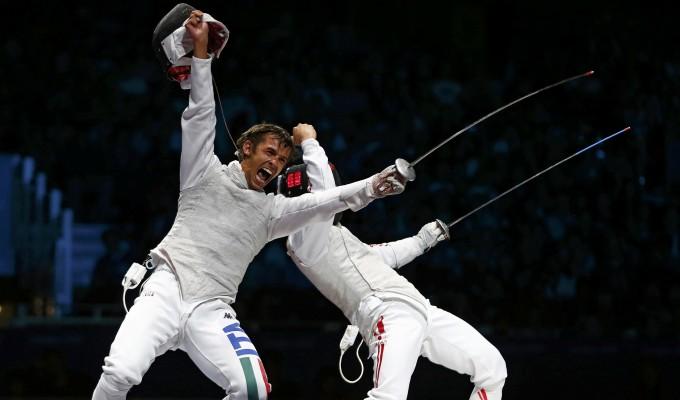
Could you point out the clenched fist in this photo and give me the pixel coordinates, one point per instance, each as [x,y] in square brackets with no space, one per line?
[302,132]
[198,30]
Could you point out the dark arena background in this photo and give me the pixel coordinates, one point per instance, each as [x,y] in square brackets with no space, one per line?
[575,277]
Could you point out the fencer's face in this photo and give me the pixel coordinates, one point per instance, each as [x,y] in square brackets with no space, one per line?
[263,162]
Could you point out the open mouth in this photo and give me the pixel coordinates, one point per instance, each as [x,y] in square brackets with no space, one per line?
[264,174]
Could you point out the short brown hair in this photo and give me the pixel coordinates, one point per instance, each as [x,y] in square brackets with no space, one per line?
[256,134]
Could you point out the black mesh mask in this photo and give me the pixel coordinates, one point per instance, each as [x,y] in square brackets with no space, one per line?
[294,182]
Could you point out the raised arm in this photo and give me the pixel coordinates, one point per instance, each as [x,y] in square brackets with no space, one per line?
[401,252]
[310,243]
[198,119]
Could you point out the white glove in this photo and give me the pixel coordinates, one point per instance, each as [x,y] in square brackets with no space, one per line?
[431,234]
[386,183]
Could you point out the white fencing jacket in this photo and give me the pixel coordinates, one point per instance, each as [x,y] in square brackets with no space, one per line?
[343,268]
[221,224]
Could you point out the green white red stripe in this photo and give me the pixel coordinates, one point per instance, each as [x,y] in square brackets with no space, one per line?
[251,383]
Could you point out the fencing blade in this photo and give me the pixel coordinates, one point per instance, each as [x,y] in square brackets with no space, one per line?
[537,175]
[405,168]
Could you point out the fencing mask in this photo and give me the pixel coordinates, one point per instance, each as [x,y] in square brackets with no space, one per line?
[173,46]
[294,181]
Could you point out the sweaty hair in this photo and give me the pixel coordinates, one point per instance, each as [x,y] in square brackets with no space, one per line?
[256,134]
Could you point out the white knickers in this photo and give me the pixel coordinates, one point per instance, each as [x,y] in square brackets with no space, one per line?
[207,331]
[397,334]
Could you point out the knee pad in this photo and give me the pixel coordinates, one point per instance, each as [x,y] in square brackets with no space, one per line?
[122,374]
[497,369]
[109,388]
[491,370]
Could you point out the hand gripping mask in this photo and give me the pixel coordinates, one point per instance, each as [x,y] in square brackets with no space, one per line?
[173,46]
[294,182]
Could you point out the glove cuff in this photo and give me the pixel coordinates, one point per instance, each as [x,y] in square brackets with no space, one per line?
[424,246]
[358,194]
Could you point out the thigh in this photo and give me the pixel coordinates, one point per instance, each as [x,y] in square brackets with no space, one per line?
[397,337]
[218,345]
[455,344]
[148,330]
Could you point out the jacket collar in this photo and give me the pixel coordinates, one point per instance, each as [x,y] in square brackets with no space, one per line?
[235,171]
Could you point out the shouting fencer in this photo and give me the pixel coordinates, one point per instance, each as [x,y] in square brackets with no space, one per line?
[223,220]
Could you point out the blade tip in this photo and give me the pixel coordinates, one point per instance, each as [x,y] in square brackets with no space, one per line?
[591,72]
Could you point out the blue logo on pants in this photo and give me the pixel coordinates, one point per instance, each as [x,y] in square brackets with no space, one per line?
[236,341]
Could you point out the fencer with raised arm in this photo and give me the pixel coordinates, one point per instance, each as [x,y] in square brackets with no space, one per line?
[223,220]
[396,321]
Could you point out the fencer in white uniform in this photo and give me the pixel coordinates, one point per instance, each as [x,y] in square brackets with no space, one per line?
[223,220]
[394,318]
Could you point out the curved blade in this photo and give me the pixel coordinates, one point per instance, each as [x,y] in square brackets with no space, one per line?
[496,111]
[536,176]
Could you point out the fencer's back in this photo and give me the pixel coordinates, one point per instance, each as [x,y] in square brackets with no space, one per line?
[350,271]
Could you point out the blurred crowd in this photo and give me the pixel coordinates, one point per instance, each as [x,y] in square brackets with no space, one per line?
[590,249]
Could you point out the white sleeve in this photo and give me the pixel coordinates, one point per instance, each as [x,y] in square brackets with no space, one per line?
[310,243]
[291,214]
[198,126]
[401,252]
